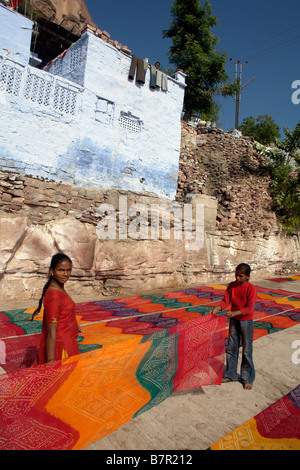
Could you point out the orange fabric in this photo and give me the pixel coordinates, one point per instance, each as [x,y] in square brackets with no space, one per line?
[70,403]
[102,393]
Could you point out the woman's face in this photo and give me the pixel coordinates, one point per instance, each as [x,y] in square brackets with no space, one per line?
[62,272]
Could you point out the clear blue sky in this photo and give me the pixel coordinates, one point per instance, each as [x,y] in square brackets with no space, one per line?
[266,33]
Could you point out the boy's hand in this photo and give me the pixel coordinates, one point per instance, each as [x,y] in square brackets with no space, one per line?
[215,309]
[233,314]
[229,315]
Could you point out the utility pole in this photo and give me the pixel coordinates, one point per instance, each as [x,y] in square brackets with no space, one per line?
[238,95]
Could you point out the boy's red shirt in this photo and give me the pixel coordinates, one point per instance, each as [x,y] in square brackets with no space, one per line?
[241,297]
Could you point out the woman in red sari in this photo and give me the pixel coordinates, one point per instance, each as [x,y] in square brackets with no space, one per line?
[60,328]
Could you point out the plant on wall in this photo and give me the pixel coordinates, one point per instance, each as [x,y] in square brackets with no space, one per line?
[263,128]
[285,184]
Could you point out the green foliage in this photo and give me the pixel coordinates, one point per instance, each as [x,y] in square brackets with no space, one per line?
[264,129]
[194,51]
[213,114]
[285,183]
[291,144]
[285,191]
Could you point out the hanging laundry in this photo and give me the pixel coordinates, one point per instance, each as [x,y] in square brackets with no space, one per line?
[158,78]
[145,69]
[153,71]
[161,80]
[137,65]
[164,82]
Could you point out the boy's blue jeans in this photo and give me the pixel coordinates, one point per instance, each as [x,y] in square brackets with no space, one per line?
[240,329]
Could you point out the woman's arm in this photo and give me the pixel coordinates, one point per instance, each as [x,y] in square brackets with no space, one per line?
[51,341]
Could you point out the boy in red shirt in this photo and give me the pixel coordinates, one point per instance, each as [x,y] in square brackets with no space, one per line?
[241,295]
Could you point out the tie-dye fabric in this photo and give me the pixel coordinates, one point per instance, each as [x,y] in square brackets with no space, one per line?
[126,367]
[136,351]
[275,428]
[295,277]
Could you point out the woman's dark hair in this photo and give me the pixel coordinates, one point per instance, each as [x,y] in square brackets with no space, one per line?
[55,260]
[245,268]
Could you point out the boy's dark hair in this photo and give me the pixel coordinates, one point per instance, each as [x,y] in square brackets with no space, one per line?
[245,268]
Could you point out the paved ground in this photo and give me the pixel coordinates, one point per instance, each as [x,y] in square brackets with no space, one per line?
[194,420]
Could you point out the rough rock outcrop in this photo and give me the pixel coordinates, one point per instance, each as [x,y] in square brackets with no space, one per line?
[71,14]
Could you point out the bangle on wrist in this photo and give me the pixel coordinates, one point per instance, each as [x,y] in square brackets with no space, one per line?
[50,360]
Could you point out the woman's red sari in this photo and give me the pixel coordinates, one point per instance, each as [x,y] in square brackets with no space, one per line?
[59,308]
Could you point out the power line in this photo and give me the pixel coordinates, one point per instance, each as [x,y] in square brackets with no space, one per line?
[266,40]
[275,48]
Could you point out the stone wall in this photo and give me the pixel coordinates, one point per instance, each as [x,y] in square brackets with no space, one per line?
[40,217]
[228,168]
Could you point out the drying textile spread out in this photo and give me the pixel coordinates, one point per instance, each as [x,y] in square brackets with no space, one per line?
[275,428]
[136,351]
[284,279]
